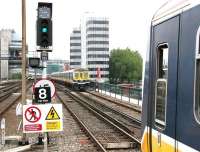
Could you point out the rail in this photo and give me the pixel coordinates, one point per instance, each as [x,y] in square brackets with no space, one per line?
[105,117]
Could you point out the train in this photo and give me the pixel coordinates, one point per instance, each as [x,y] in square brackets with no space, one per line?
[171,90]
[76,79]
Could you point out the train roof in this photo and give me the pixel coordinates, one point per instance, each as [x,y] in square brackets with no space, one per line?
[72,70]
[172,8]
[81,69]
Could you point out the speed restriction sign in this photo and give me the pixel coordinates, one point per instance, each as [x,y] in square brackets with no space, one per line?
[45,83]
[43,95]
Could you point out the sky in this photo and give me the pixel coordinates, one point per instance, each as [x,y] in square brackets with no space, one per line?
[129,21]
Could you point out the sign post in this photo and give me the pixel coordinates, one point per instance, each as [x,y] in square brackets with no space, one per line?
[24,139]
[3,124]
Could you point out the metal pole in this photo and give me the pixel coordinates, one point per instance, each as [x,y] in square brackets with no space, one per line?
[0,65]
[45,143]
[44,76]
[23,60]
[115,90]
[35,79]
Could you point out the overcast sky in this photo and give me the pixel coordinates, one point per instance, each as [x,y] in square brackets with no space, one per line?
[129,21]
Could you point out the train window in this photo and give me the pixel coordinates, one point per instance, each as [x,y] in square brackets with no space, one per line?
[161,86]
[81,75]
[67,76]
[162,61]
[197,80]
[70,76]
[197,89]
[86,75]
[76,75]
[161,95]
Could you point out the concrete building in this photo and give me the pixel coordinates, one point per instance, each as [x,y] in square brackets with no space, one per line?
[14,62]
[75,49]
[10,52]
[5,38]
[97,47]
[92,47]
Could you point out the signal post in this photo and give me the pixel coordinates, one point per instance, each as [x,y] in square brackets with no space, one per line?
[44,42]
[42,116]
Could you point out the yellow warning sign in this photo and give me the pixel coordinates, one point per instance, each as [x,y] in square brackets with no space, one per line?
[52,114]
[55,125]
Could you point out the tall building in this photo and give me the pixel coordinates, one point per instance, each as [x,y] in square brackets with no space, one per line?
[92,47]
[10,53]
[75,49]
[97,47]
[14,62]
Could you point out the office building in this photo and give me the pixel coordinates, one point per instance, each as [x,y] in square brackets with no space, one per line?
[97,47]
[75,49]
[90,48]
[10,53]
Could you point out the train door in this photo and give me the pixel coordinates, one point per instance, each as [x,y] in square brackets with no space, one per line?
[164,76]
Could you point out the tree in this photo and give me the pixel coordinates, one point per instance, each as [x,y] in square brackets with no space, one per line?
[125,65]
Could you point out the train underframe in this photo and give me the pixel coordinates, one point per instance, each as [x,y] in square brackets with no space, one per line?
[81,86]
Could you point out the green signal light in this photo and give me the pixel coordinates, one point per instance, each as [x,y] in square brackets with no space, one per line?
[44,30]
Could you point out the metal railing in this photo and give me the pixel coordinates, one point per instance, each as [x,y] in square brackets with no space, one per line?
[122,92]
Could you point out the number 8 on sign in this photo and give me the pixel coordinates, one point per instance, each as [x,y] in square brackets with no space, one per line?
[42,93]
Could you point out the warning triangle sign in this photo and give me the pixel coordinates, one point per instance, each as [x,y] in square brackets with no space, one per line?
[52,114]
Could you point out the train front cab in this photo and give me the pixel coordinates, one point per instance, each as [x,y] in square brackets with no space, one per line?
[171,95]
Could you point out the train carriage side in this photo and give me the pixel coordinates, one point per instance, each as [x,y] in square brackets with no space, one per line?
[171,100]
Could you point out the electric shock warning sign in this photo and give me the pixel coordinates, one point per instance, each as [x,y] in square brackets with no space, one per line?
[42,118]
[52,115]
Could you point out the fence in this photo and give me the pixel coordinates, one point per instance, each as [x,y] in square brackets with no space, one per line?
[130,94]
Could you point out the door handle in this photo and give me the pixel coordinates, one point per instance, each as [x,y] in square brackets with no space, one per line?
[159,138]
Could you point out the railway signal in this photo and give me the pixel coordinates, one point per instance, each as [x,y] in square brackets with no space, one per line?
[44,25]
[44,32]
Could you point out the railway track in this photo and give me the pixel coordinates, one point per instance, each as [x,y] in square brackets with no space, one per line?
[7,99]
[128,109]
[103,131]
[6,91]
[127,122]
[71,139]
[5,83]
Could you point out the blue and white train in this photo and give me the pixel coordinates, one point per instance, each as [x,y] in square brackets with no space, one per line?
[171,95]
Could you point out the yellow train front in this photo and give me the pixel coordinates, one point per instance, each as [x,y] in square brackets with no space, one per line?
[77,79]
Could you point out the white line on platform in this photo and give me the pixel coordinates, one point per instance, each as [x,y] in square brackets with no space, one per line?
[18,149]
